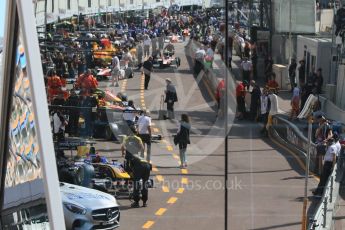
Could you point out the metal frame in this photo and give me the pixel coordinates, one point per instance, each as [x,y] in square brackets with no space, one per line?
[42,121]
[7,83]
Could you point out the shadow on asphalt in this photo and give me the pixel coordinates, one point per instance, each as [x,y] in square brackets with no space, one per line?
[255,128]
[277,226]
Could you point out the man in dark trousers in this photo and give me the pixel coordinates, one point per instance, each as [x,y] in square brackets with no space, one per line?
[140,168]
[148,68]
[255,100]
[329,161]
[73,103]
[170,98]
[292,73]
[301,72]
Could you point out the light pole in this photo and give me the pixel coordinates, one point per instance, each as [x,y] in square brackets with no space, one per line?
[305,201]
[226,52]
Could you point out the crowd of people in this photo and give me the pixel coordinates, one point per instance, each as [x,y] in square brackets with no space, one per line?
[79,56]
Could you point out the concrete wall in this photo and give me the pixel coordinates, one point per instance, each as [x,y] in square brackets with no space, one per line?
[321,49]
[281,48]
[326,20]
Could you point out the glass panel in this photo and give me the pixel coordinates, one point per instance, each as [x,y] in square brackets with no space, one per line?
[2,31]
[24,199]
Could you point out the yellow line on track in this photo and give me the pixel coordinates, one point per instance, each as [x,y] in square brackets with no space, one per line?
[156,130]
[184,180]
[148,224]
[159,178]
[172,200]
[176,157]
[170,148]
[160,211]
[180,191]
[165,189]
[184,171]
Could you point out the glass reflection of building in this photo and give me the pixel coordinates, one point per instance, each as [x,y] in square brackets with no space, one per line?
[24,189]
[23,169]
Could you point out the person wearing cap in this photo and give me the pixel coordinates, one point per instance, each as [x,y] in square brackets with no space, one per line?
[329,161]
[140,168]
[145,133]
[170,98]
[240,98]
[129,114]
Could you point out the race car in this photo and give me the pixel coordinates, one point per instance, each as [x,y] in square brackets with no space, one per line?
[166,59]
[86,208]
[118,173]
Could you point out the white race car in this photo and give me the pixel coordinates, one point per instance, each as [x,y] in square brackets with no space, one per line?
[86,208]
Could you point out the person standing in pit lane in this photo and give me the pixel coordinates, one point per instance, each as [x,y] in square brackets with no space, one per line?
[170,98]
[329,162]
[147,69]
[182,138]
[140,168]
[144,129]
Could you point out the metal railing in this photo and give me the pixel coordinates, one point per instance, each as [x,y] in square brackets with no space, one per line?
[322,218]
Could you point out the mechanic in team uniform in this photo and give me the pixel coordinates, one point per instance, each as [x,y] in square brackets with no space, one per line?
[140,168]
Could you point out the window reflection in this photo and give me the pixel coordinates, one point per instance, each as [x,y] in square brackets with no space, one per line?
[24,200]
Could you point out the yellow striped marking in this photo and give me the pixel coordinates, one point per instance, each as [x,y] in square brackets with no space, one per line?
[160,211]
[172,200]
[180,191]
[165,189]
[144,107]
[176,157]
[165,141]
[159,178]
[184,180]
[154,169]
[153,124]
[184,171]
[170,148]
[148,224]
[156,130]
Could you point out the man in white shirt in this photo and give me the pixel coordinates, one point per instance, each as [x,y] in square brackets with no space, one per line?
[129,114]
[147,44]
[59,125]
[127,57]
[199,60]
[115,73]
[273,108]
[247,67]
[144,128]
[329,161]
